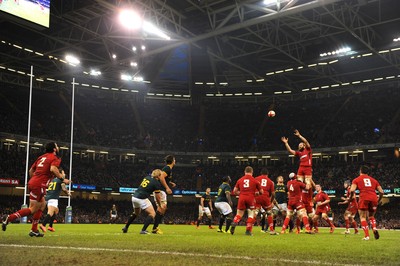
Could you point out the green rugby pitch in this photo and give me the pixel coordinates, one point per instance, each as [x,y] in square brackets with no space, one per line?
[105,244]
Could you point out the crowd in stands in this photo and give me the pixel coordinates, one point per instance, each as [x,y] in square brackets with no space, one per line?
[121,120]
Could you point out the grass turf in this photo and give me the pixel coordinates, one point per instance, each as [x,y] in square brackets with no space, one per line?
[105,244]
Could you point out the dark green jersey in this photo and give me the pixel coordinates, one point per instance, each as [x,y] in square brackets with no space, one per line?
[206,200]
[281,193]
[54,189]
[148,186]
[168,178]
[223,188]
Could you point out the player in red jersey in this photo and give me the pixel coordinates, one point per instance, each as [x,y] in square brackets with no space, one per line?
[304,153]
[295,188]
[266,200]
[41,172]
[368,202]
[247,188]
[322,200]
[307,197]
[351,210]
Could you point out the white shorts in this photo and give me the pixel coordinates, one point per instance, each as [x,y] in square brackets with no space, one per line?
[163,200]
[141,203]
[223,207]
[206,210]
[113,216]
[53,203]
[282,207]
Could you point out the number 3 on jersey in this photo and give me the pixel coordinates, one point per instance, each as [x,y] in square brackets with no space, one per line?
[246,183]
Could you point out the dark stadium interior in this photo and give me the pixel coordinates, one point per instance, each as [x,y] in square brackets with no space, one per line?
[207,92]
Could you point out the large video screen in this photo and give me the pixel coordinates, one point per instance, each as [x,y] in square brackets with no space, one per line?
[35,11]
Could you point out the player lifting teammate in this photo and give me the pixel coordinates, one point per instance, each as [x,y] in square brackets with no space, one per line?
[166,181]
[295,188]
[352,208]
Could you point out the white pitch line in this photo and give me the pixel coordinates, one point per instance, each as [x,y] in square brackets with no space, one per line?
[315,262]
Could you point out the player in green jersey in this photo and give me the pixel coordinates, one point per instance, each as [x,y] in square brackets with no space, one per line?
[223,204]
[140,200]
[52,195]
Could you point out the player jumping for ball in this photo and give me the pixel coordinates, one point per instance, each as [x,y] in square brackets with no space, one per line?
[304,153]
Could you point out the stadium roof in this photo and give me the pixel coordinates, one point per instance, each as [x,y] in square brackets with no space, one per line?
[216,46]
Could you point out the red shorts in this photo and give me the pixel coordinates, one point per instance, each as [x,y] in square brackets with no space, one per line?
[367,205]
[321,210]
[297,205]
[352,209]
[263,202]
[36,192]
[246,202]
[309,208]
[304,171]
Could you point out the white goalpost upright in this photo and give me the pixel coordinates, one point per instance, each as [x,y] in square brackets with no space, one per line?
[24,219]
[68,211]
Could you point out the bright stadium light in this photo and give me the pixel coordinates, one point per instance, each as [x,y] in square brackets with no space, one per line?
[130,19]
[134,48]
[143,47]
[341,51]
[95,72]
[73,60]
[126,77]
[134,64]
[150,28]
[396,39]
[114,56]
[139,79]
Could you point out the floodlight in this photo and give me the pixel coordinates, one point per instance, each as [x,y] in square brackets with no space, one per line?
[95,72]
[126,77]
[134,64]
[130,19]
[138,79]
[150,28]
[72,60]
[143,47]
[114,56]
[134,48]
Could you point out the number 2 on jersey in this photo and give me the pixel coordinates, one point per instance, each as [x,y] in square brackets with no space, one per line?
[40,164]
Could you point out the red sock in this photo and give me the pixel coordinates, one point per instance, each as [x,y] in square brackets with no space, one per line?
[329,222]
[271,223]
[364,226]
[35,220]
[249,225]
[373,223]
[237,219]
[19,214]
[298,224]
[305,222]
[355,225]
[285,223]
[347,223]
[315,224]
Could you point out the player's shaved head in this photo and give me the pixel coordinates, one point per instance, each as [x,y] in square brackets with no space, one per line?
[248,170]
[156,173]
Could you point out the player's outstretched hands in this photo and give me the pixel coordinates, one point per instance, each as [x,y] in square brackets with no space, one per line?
[284,140]
[296,132]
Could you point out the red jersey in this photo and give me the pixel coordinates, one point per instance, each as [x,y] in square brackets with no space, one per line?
[367,186]
[42,174]
[305,157]
[295,190]
[247,185]
[321,197]
[352,202]
[307,196]
[266,184]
